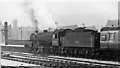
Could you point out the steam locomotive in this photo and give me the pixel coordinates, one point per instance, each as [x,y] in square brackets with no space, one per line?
[80,42]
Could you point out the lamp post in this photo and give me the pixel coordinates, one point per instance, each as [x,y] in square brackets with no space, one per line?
[21,32]
[56,25]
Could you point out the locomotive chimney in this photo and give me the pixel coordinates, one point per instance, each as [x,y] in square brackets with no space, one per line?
[36,25]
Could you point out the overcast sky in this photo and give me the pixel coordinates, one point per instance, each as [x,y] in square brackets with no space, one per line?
[64,12]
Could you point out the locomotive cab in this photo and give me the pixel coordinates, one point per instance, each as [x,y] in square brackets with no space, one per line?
[58,37]
[55,40]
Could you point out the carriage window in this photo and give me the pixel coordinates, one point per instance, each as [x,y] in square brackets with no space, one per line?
[55,36]
[111,36]
[103,38]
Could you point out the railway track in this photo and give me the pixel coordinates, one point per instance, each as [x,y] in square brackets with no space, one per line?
[58,61]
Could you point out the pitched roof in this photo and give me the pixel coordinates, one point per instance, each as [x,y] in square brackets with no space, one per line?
[112,23]
[110,28]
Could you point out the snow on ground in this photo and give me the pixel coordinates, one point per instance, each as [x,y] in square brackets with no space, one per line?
[2,44]
[84,59]
[5,62]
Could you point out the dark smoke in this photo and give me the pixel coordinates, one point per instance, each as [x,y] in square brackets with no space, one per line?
[31,12]
[37,11]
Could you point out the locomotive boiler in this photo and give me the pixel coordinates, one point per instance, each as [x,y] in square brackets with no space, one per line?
[40,41]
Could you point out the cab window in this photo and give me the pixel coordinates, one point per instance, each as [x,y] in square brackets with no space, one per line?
[103,38]
[55,36]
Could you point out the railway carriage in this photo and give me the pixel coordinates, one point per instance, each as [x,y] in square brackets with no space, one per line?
[110,42]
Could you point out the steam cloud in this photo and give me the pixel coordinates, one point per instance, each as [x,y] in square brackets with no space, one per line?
[38,14]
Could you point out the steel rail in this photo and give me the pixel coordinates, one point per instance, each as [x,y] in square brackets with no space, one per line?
[58,61]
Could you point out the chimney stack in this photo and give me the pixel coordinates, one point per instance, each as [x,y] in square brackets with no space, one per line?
[15,30]
[6,33]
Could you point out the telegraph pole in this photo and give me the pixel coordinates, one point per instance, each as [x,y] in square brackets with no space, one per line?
[6,33]
[21,32]
[119,14]
[56,25]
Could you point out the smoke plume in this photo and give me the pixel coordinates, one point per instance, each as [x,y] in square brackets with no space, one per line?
[38,14]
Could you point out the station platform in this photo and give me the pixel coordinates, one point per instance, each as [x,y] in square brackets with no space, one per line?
[15,48]
[12,45]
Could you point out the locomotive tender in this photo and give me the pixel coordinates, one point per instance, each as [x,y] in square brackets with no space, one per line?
[78,42]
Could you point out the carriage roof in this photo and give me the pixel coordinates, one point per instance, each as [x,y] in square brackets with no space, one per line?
[109,28]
